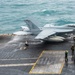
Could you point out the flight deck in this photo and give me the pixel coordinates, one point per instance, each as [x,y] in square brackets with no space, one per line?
[45,59]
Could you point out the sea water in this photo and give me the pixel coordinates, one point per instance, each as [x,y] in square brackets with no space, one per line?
[41,12]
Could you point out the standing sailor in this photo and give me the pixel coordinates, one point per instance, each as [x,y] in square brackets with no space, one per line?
[66,57]
[72,51]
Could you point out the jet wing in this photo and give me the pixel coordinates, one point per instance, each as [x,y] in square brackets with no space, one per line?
[45,33]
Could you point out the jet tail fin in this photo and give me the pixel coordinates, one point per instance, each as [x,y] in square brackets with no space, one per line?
[31,25]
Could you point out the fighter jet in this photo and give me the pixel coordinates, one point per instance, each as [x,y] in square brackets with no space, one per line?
[46,33]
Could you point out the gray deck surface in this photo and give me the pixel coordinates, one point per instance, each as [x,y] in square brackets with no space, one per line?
[14,61]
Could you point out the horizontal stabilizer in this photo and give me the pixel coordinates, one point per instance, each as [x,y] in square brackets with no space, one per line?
[21,33]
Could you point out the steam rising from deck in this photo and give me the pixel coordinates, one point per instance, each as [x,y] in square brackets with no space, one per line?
[16,39]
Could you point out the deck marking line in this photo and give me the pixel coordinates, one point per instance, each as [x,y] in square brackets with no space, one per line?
[11,65]
[18,59]
[61,68]
[35,62]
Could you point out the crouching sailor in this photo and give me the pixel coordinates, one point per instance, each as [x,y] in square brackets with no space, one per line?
[26,45]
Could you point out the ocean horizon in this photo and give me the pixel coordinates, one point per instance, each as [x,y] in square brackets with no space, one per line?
[41,12]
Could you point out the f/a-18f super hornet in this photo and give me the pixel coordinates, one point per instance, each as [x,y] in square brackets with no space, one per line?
[46,33]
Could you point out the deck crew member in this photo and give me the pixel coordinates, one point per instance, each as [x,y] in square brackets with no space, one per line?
[26,45]
[72,50]
[66,57]
[74,40]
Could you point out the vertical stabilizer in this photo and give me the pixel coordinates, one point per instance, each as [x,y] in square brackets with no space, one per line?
[33,28]
[31,25]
